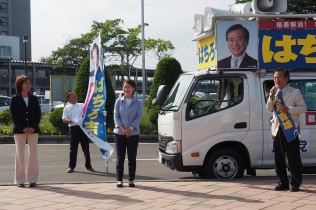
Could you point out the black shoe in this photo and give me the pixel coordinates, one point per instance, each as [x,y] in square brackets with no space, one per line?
[32,185]
[69,170]
[281,187]
[119,184]
[90,169]
[131,184]
[295,188]
[21,185]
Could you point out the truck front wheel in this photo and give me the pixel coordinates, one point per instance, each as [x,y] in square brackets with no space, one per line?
[224,164]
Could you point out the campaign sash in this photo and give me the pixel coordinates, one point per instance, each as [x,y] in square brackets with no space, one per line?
[94,113]
[285,120]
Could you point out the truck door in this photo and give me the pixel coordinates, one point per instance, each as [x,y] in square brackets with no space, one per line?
[268,153]
[307,87]
[307,122]
[216,110]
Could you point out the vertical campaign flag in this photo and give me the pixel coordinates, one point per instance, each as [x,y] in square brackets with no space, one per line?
[94,113]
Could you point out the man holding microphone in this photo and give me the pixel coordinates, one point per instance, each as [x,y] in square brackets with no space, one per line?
[287,104]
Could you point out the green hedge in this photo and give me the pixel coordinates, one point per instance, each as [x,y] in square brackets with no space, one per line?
[55,119]
[167,72]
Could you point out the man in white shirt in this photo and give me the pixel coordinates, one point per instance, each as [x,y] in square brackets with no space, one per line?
[72,116]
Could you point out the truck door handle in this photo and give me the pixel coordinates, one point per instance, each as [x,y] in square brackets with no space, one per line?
[240,125]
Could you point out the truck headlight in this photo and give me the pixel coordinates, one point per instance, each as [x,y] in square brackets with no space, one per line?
[173,147]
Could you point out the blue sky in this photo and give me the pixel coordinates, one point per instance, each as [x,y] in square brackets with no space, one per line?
[56,21]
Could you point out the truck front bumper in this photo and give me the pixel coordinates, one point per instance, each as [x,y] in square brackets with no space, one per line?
[175,162]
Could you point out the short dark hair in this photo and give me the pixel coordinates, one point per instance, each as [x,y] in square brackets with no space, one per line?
[19,82]
[286,72]
[67,95]
[131,83]
[238,27]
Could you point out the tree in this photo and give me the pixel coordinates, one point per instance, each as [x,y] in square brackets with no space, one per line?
[75,50]
[116,41]
[296,6]
[167,72]
[81,87]
[82,80]
[161,48]
[128,46]
[301,6]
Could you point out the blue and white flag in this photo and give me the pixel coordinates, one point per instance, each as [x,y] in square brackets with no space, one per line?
[94,113]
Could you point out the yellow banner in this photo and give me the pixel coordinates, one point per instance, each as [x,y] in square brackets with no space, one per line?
[207,49]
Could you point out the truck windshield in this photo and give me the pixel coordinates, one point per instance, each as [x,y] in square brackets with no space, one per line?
[177,92]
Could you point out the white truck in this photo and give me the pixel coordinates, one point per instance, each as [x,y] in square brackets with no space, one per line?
[214,122]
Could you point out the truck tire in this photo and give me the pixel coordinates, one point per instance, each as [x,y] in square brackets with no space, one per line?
[224,164]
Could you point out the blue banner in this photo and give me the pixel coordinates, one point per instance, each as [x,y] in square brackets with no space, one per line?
[285,120]
[287,48]
[94,113]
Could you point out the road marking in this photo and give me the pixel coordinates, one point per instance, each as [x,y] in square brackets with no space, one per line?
[138,159]
[63,144]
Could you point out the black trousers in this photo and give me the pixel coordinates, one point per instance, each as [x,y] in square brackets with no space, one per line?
[121,144]
[291,150]
[76,136]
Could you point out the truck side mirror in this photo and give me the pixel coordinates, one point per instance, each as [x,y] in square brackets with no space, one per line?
[161,95]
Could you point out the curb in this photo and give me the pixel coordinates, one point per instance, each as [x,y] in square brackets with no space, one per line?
[65,139]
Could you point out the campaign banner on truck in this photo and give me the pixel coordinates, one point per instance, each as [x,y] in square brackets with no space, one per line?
[287,44]
[237,44]
[207,56]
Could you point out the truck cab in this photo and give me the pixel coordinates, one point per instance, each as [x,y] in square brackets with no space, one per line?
[215,123]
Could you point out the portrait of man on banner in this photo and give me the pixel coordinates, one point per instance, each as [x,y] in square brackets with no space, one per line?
[237,46]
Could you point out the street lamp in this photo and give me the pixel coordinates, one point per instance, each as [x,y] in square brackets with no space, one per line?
[143,53]
[25,40]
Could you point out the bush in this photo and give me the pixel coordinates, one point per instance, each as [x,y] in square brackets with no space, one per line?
[146,127]
[5,117]
[167,72]
[55,119]
[46,127]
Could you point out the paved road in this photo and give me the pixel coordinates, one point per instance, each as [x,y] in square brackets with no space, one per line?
[53,160]
[157,186]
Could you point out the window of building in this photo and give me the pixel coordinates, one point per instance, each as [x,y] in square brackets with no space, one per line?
[5,51]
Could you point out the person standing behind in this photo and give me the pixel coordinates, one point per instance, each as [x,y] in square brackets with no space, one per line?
[294,105]
[237,38]
[128,112]
[72,116]
[26,115]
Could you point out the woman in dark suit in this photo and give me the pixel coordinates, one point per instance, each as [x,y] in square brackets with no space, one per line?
[26,115]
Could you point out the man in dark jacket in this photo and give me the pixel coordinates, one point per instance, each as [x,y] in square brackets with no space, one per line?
[237,38]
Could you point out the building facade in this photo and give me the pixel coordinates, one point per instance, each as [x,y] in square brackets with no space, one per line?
[39,73]
[15,22]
